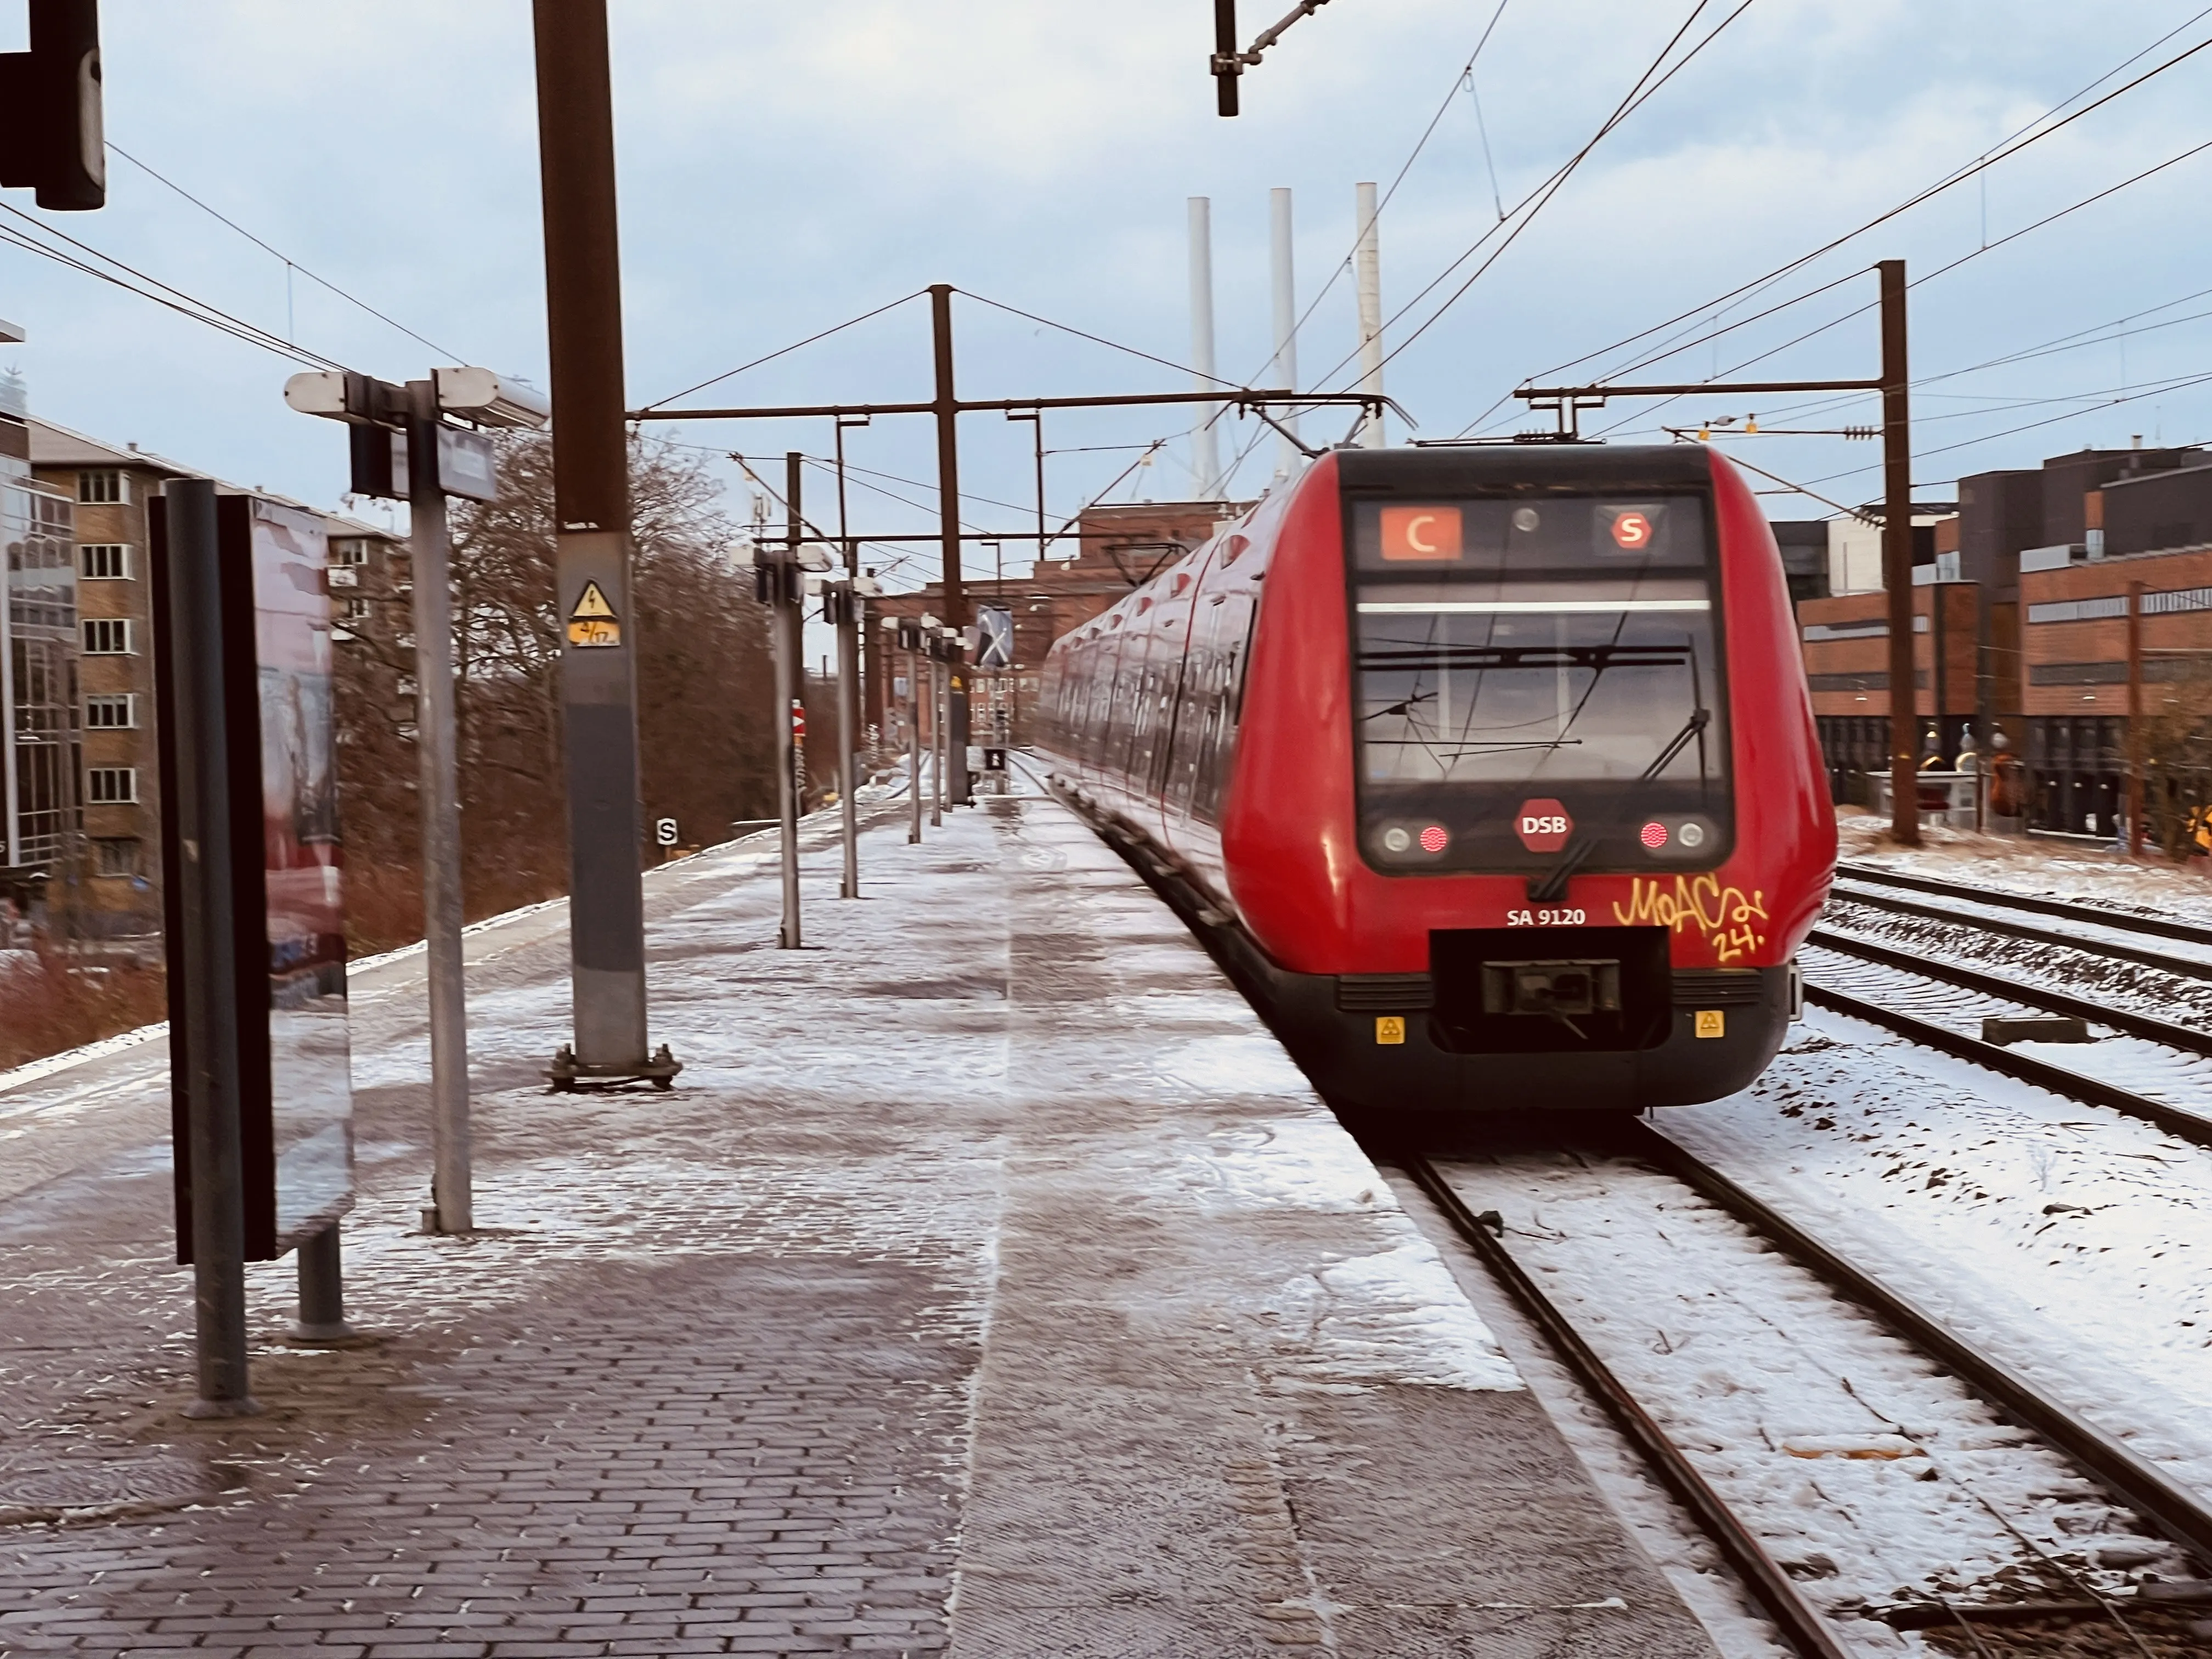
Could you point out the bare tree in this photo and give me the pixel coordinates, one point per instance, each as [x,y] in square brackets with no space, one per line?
[704,691]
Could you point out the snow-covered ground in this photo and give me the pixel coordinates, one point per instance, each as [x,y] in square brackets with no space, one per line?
[2159,1071]
[2066,1239]
[2048,869]
[1874,1477]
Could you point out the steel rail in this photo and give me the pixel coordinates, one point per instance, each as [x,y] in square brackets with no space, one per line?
[2183,1515]
[2023,1068]
[2028,995]
[2183,966]
[2093,915]
[1800,1623]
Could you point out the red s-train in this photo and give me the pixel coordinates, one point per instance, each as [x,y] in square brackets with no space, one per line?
[1491,771]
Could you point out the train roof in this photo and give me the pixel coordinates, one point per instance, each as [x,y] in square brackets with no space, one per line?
[1533,468]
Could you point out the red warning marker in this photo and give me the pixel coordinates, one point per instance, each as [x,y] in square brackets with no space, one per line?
[1543,825]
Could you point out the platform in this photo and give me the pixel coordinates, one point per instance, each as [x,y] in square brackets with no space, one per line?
[989,1284]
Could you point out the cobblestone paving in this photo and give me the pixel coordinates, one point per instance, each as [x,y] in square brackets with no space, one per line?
[699,1387]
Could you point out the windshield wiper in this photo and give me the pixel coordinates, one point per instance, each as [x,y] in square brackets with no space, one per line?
[1553,884]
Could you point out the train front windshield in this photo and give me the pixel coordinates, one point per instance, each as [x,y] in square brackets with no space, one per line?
[1539,678]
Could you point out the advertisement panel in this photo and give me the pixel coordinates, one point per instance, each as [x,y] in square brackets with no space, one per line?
[286,864]
[311,1100]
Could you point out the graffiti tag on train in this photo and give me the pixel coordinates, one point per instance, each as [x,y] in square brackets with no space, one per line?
[1727,917]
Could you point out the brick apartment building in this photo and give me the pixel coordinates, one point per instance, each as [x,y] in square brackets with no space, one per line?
[110,488]
[111,889]
[1117,547]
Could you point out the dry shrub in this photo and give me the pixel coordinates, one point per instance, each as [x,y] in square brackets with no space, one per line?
[383,908]
[49,1003]
[2177,739]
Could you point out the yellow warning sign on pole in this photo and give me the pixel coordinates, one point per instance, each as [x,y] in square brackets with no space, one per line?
[594,622]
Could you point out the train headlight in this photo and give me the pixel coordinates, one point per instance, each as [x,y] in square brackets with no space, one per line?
[1435,838]
[1653,835]
[1692,834]
[1395,840]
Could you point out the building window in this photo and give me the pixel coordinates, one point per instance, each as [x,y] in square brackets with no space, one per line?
[112,786]
[349,550]
[104,562]
[353,612]
[111,713]
[100,487]
[107,637]
[117,855]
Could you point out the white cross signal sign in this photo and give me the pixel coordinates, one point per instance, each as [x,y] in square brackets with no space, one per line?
[994,638]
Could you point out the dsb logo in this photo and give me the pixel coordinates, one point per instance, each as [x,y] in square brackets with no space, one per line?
[1543,825]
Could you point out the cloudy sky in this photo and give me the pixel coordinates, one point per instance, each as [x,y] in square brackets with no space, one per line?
[786,167]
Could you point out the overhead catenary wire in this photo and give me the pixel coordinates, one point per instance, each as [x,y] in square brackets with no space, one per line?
[1525,212]
[785,351]
[290,263]
[1096,339]
[2021,139]
[1941,270]
[89,261]
[1463,78]
[1627,422]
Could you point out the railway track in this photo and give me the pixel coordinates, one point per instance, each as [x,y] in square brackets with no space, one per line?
[2014,992]
[1858,885]
[2090,915]
[2165,1507]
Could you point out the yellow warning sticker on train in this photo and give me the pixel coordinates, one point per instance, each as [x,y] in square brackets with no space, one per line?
[1390,1027]
[1711,1023]
[594,622]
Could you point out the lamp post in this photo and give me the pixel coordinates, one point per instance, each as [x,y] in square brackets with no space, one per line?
[842,600]
[403,448]
[783,573]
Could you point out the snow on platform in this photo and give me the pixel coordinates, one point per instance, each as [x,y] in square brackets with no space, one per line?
[990,1283]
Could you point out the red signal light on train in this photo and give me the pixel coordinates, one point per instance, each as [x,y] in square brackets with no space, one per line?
[1633,530]
[1654,834]
[1435,839]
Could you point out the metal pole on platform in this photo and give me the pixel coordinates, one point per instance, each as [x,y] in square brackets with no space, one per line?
[847,599]
[899,633]
[322,1291]
[946,406]
[1896,561]
[430,550]
[590,490]
[936,734]
[789,617]
[204,965]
